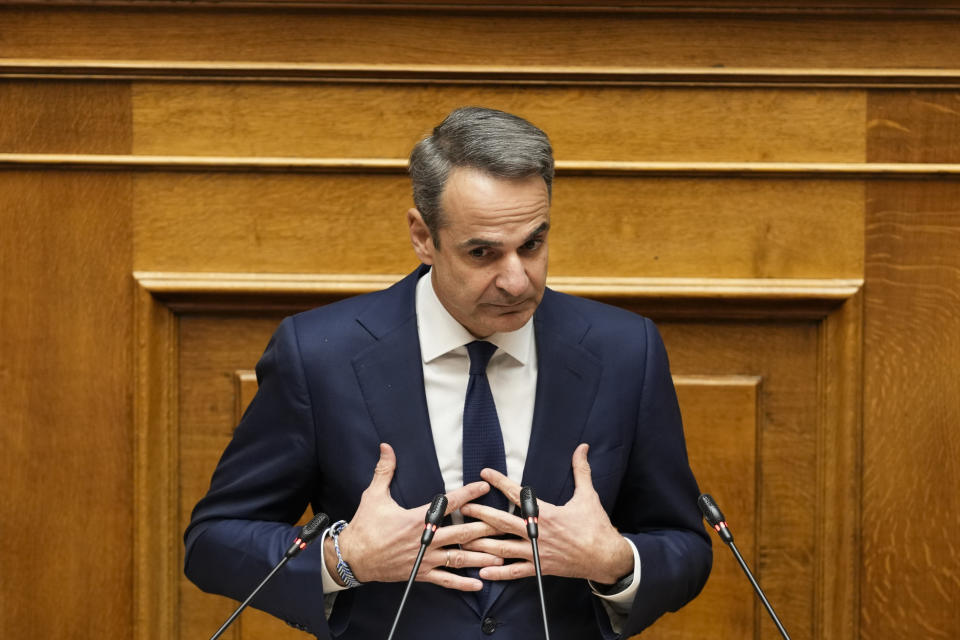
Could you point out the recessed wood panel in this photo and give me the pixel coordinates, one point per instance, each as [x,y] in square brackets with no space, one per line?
[480,38]
[597,123]
[786,356]
[602,226]
[720,424]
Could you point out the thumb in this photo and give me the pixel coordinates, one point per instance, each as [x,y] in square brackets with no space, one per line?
[582,480]
[383,472]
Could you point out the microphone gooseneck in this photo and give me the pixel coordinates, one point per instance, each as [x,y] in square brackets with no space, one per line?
[714,517]
[308,534]
[435,513]
[531,512]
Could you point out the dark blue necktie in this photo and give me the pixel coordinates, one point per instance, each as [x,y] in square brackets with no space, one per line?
[482,439]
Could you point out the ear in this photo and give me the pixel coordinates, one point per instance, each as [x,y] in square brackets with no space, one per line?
[420,237]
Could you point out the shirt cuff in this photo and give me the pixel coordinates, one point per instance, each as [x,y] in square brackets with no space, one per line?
[330,585]
[626,594]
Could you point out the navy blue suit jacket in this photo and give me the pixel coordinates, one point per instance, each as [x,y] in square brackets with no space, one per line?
[338,380]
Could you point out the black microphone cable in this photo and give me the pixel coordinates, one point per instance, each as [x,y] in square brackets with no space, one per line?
[714,517]
[308,534]
[530,512]
[434,517]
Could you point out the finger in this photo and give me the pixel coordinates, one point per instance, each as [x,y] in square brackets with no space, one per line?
[467,493]
[456,558]
[502,483]
[510,548]
[502,521]
[582,478]
[383,472]
[463,533]
[450,580]
[509,571]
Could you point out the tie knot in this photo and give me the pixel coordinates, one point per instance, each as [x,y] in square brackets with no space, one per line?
[480,353]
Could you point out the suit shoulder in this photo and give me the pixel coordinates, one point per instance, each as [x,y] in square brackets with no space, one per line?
[596,313]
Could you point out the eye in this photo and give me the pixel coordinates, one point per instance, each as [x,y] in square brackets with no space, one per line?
[479,252]
[532,245]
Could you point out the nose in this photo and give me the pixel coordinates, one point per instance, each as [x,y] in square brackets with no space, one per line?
[512,279]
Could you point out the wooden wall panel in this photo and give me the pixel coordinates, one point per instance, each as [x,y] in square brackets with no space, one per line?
[911,563]
[687,83]
[380,120]
[721,417]
[65,393]
[481,38]
[754,447]
[602,226]
[785,355]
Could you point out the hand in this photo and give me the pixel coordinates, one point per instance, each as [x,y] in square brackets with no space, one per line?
[576,540]
[383,539]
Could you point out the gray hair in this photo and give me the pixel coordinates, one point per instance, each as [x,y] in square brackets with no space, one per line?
[491,141]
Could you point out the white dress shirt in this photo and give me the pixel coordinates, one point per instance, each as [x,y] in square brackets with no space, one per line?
[512,373]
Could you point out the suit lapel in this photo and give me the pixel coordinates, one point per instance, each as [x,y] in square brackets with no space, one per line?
[567,380]
[390,374]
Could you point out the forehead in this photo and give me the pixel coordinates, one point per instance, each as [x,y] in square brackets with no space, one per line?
[474,202]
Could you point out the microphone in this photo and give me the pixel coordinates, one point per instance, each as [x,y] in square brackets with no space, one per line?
[714,517]
[530,512]
[308,534]
[435,513]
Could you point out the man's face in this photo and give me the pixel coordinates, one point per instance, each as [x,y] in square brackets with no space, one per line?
[490,268]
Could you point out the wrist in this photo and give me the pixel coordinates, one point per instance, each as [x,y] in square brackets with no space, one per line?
[343,571]
[617,562]
[330,560]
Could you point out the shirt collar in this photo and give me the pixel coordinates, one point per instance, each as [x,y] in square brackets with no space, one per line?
[440,333]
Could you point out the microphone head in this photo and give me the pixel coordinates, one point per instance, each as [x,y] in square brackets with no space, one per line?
[314,528]
[710,510]
[528,503]
[436,510]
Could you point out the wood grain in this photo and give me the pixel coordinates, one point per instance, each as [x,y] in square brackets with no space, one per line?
[721,425]
[911,564]
[364,121]
[911,560]
[64,117]
[785,356]
[914,126]
[601,226]
[351,36]
[65,389]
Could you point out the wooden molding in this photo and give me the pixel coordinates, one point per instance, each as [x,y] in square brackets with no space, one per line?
[243,71]
[157,564]
[694,297]
[823,7]
[806,170]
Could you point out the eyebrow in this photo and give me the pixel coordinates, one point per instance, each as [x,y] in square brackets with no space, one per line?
[482,242]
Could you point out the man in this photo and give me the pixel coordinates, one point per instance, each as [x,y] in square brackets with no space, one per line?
[370,406]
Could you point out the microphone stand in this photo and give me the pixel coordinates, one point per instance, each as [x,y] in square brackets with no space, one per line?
[307,535]
[531,511]
[434,517]
[714,517]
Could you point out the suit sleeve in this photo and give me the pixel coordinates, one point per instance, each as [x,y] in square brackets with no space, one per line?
[656,508]
[260,488]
